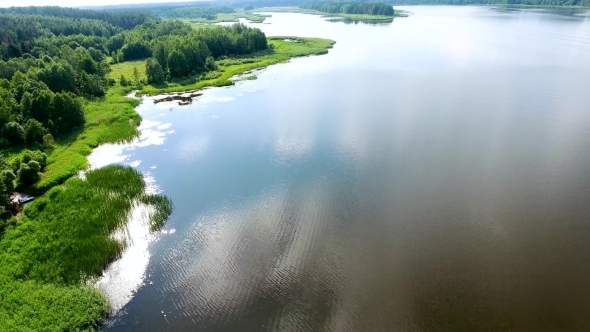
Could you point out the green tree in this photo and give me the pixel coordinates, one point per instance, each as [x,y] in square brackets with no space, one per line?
[48,141]
[154,72]
[29,173]
[177,64]
[136,75]
[123,81]
[66,112]
[34,131]
[14,133]
[161,55]
[210,63]
[8,178]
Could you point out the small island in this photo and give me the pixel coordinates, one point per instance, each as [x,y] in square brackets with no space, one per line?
[355,11]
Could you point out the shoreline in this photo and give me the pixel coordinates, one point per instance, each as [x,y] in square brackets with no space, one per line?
[354,17]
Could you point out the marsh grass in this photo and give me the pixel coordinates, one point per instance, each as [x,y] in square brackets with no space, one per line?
[162,209]
[62,241]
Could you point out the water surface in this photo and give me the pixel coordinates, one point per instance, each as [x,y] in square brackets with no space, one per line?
[432,174]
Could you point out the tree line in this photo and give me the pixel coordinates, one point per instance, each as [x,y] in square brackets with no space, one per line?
[50,64]
[126,19]
[177,50]
[582,3]
[207,12]
[350,8]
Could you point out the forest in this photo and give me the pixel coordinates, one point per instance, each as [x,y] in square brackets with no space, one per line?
[125,19]
[350,8]
[208,12]
[177,50]
[51,64]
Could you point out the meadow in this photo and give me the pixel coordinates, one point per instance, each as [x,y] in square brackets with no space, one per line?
[62,241]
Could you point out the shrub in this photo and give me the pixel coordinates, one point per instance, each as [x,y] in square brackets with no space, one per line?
[34,131]
[48,141]
[14,133]
[29,173]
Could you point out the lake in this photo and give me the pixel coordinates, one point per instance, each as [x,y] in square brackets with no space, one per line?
[431,174]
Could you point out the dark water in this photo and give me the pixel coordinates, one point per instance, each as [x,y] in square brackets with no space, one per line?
[432,174]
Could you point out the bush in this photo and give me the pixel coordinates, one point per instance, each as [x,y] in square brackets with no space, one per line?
[29,173]
[14,133]
[48,141]
[154,72]
[36,155]
[210,63]
[34,131]
[8,178]
[123,81]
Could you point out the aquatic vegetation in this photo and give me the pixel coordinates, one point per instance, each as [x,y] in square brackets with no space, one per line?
[64,240]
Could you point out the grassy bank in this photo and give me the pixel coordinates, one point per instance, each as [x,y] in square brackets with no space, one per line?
[62,241]
[108,120]
[281,51]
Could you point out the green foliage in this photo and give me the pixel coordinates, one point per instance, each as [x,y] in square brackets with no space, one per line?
[28,167]
[350,8]
[154,72]
[210,63]
[62,241]
[34,131]
[125,19]
[278,51]
[14,133]
[108,120]
[249,7]
[28,173]
[36,155]
[206,12]
[161,55]
[123,81]
[8,178]
[177,64]
[48,141]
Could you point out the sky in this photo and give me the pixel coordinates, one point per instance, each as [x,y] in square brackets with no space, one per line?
[73,3]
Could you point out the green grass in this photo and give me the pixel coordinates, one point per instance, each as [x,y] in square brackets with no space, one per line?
[126,69]
[283,51]
[108,120]
[62,241]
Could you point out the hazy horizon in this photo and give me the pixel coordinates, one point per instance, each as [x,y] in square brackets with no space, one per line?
[71,3]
